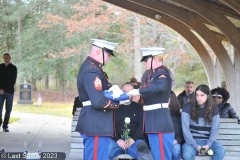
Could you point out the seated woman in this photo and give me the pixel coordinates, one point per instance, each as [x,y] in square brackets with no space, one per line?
[136,85]
[174,108]
[220,98]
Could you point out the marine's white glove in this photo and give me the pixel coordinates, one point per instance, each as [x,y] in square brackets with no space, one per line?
[116,91]
[134,92]
[124,102]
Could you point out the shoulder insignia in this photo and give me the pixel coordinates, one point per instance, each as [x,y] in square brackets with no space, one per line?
[162,76]
[98,83]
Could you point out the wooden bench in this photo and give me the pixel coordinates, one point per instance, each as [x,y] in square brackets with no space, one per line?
[229,136]
[77,147]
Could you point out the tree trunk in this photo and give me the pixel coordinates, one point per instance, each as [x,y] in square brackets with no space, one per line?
[137,54]
[63,87]
[34,86]
[46,82]
[19,18]
[19,38]
[56,84]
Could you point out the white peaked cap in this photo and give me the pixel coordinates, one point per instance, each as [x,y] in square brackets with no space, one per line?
[104,44]
[152,51]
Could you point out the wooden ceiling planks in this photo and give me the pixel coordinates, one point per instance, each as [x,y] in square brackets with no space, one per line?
[220,17]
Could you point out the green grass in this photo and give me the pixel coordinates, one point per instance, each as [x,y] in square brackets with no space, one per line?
[12,119]
[49,108]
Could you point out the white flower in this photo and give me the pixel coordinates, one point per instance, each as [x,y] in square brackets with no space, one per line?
[210,152]
[127,120]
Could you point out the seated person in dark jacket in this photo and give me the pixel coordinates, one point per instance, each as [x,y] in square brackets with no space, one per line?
[134,111]
[77,104]
[187,95]
[220,98]
[174,108]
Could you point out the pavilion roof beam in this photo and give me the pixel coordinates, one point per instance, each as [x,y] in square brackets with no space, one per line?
[221,37]
[177,26]
[225,11]
[195,22]
[235,5]
[215,17]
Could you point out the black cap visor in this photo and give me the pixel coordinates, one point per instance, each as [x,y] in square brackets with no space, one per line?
[145,58]
[109,51]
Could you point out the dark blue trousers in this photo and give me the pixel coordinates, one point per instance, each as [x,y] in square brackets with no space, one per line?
[161,145]
[95,147]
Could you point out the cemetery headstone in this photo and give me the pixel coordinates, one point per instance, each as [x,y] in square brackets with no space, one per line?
[25,96]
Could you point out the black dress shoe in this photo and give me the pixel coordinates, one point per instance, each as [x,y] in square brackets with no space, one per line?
[142,147]
[5,130]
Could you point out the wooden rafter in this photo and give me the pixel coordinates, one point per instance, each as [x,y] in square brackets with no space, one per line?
[192,20]
[214,16]
[181,28]
[232,4]
[211,12]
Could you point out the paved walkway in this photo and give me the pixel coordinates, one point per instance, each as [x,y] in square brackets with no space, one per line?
[52,132]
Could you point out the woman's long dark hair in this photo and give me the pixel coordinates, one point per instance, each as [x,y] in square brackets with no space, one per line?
[208,106]
[174,105]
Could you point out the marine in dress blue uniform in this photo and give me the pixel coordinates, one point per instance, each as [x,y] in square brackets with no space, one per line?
[96,119]
[157,118]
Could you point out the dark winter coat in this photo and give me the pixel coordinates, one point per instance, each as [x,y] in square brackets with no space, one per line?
[178,128]
[226,111]
[183,98]
[135,112]
[8,76]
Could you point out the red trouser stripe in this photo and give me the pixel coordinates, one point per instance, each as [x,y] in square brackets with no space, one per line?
[95,148]
[161,146]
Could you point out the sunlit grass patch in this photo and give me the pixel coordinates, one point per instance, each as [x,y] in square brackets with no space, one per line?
[49,108]
[12,119]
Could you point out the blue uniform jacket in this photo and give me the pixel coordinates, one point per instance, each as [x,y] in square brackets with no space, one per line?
[97,118]
[155,92]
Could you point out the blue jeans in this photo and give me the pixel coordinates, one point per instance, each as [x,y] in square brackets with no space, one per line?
[114,150]
[176,152]
[8,108]
[188,152]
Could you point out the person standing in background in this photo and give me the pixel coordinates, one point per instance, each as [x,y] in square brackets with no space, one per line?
[187,95]
[8,76]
